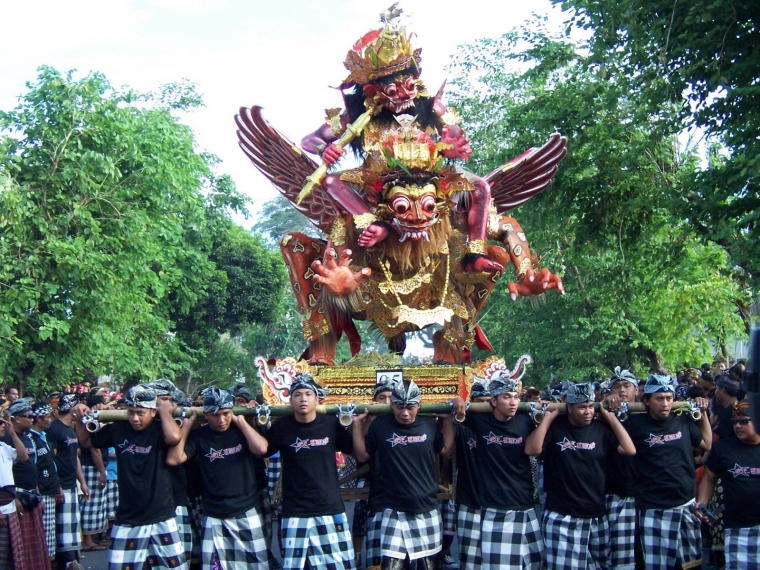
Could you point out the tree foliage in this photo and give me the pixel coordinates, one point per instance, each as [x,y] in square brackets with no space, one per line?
[642,290]
[699,60]
[113,230]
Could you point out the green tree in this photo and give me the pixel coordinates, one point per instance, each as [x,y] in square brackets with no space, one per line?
[699,60]
[642,290]
[108,221]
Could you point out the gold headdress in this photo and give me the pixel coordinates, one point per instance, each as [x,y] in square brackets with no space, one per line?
[381,53]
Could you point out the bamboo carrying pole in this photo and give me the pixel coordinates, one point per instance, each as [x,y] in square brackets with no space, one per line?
[96,418]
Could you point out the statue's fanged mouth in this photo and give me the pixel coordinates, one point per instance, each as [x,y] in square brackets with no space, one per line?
[413,233]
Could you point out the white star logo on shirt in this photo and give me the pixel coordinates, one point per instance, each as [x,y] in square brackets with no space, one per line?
[739,471]
[653,440]
[567,444]
[126,447]
[471,443]
[214,454]
[300,444]
[396,440]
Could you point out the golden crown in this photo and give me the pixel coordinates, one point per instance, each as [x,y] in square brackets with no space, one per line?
[381,53]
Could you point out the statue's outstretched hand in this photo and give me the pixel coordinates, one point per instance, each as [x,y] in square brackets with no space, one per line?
[535,283]
[337,275]
[372,235]
[459,144]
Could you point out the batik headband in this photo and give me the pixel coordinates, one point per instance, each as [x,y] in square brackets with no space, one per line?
[20,406]
[405,396]
[384,384]
[179,398]
[66,402]
[619,375]
[480,389]
[741,409]
[659,383]
[40,410]
[162,387]
[579,393]
[141,397]
[306,381]
[498,386]
[240,391]
[215,399]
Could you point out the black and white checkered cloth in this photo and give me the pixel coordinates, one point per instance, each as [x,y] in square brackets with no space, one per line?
[67,522]
[157,544]
[324,541]
[48,521]
[274,468]
[195,510]
[468,535]
[574,542]
[448,516]
[112,499]
[416,536]
[182,516]
[621,515]
[93,513]
[743,548]
[670,537]
[374,540]
[511,539]
[238,541]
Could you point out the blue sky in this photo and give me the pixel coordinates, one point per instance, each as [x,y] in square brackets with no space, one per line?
[239,53]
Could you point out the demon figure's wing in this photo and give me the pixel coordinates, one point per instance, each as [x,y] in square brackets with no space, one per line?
[284,164]
[527,175]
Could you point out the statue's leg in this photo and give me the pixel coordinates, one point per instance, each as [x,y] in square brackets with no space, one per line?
[476,204]
[299,251]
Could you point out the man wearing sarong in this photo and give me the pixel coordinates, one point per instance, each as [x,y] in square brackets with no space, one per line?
[233,531]
[665,475]
[736,462]
[11,547]
[30,510]
[63,441]
[406,446]
[576,450]
[145,529]
[314,523]
[509,531]
[47,476]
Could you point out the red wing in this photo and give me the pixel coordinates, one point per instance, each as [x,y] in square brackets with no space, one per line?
[284,164]
[527,175]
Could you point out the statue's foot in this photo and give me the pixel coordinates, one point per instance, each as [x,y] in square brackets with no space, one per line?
[372,235]
[321,361]
[478,263]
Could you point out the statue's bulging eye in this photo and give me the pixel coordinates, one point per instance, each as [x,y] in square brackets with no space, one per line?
[410,84]
[391,90]
[401,205]
[428,204]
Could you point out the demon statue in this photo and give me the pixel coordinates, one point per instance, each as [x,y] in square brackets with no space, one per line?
[407,230]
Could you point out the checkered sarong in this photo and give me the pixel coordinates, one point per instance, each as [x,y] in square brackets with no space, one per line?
[67,522]
[743,548]
[511,539]
[11,547]
[33,537]
[575,542]
[670,537]
[238,541]
[373,540]
[184,529]
[448,516]
[112,499]
[415,536]
[48,523]
[274,468]
[93,513]
[468,535]
[324,541]
[195,510]
[621,514]
[157,544]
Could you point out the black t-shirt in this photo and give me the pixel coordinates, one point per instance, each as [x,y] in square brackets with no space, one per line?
[738,466]
[407,462]
[503,470]
[665,472]
[145,487]
[723,428]
[621,475]
[375,498]
[47,476]
[179,485]
[85,457]
[309,472]
[63,441]
[467,476]
[226,463]
[575,465]
[24,472]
